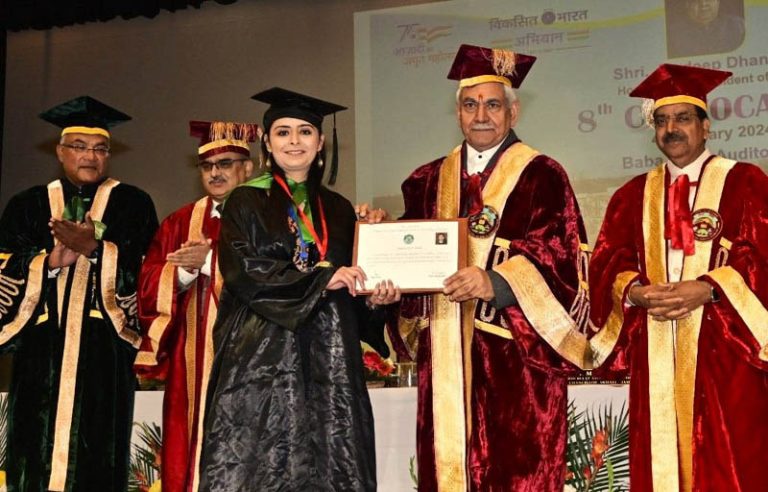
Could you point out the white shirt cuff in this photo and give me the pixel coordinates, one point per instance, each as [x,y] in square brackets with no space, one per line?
[206,269]
[185,278]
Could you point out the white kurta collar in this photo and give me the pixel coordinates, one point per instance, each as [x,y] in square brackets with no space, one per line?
[476,161]
[693,170]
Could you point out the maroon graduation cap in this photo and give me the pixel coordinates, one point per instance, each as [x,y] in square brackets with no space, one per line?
[217,137]
[476,65]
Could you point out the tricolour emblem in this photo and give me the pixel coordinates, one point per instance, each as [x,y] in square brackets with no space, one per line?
[707,224]
[484,223]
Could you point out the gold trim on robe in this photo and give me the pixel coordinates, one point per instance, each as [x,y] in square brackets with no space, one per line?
[164,308]
[56,203]
[604,341]
[207,366]
[745,303]
[68,377]
[211,309]
[544,312]
[448,399]
[73,329]
[116,314]
[452,324]
[710,191]
[29,302]
[493,329]
[166,288]
[190,355]
[661,367]
[672,368]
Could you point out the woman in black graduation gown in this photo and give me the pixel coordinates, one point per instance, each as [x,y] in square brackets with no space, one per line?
[288,409]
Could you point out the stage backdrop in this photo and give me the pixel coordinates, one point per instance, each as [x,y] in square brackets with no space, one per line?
[574,101]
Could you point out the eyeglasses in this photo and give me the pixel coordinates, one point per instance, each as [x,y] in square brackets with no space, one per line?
[492,106]
[99,150]
[680,119]
[222,165]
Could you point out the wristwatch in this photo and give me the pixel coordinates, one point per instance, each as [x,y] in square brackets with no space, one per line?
[714,296]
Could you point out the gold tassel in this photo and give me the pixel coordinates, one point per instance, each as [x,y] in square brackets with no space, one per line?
[224,130]
[503,62]
[647,111]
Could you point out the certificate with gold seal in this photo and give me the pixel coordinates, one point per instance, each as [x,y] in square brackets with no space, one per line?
[416,255]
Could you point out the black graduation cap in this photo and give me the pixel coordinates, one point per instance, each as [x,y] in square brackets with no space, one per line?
[288,104]
[84,114]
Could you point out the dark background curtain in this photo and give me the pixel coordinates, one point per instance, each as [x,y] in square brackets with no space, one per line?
[19,15]
[45,14]
[3,41]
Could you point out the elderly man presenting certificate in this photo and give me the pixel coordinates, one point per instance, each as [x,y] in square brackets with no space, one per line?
[492,388]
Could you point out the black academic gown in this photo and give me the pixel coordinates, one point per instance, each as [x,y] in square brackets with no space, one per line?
[288,408]
[72,383]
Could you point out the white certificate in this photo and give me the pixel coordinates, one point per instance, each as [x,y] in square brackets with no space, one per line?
[416,255]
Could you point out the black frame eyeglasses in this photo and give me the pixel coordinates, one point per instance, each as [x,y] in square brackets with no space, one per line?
[82,149]
[222,165]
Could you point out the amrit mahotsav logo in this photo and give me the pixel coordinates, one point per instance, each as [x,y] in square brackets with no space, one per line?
[420,33]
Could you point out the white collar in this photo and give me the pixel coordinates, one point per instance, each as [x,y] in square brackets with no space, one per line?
[476,161]
[693,170]
[215,214]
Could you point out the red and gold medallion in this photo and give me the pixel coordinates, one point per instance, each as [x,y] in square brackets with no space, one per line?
[707,224]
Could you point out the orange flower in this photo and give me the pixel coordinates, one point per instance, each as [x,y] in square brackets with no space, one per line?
[599,444]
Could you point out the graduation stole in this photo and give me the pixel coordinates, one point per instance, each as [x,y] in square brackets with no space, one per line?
[73,321]
[300,212]
[452,324]
[672,366]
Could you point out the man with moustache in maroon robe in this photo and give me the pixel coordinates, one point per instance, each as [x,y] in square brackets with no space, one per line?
[492,388]
[179,289]
[679,289]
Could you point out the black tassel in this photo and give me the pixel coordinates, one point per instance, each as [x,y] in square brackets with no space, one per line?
[335,157]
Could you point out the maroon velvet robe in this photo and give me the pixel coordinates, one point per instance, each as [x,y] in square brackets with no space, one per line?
[698,405]
[516,409]
[177,342]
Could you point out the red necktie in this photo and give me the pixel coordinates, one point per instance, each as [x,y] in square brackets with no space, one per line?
[679,227]
[473,192]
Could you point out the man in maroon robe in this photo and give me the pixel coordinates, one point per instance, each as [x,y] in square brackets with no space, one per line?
[679,288]
[179,288]
[492,389]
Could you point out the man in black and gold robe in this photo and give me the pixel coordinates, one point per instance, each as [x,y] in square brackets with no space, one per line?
[70,252]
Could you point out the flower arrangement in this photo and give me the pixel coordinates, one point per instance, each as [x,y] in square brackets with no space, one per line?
[146,459]
[376,367]
[598,450]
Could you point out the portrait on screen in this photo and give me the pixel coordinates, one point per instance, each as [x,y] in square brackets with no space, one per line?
[703,27]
